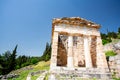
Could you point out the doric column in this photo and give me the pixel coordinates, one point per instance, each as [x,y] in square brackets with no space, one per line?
[88,59]
[101,58]
[70,52]
[54,50]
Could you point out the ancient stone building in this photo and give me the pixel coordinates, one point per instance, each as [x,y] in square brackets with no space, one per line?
[77,48]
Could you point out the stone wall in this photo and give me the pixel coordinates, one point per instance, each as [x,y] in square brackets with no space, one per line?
[114,65]
[112,46]
[114,61]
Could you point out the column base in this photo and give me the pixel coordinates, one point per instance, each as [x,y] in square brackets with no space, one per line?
[70,62]
[52,66]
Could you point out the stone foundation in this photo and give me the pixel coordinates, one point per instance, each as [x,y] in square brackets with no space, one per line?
[89,73]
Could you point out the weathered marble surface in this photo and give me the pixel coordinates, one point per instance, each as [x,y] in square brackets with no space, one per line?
[82,47]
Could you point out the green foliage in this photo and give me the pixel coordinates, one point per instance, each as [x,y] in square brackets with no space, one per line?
[103,36]
[47,76]
[112,35]
[34,60]
[116,78]
[110,53]
[47,53]
[118,35]
[119,30]
[105,41]
[23,61]
[5,62]
[23,74]
[109,36]
[13,59]
[8,61]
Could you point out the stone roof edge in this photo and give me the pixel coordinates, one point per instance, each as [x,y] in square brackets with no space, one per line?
[70,21]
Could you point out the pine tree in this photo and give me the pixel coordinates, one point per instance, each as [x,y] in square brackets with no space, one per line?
[5,64]
[119,30]
[13,58]
[47,52]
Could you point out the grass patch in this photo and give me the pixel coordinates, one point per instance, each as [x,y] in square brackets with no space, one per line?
[110,53]
[47,76]
[24,73]
[35,77]
[42,65]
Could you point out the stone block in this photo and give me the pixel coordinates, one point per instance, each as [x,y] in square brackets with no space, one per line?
[111,58]
[118,66]
[118,62]
[117,57]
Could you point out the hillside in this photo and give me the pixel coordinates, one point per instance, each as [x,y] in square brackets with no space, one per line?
[112,45]
[32,71]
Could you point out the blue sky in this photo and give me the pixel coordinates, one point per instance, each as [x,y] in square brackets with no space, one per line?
[28,22]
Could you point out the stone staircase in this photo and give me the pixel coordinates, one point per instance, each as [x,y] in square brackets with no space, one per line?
[81,74]
[41,77]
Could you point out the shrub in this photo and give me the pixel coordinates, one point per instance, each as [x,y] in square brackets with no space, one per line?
[17,67]
[105,41]
[34,60]
[110,53]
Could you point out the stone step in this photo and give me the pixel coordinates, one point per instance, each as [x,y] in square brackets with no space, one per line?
[42,76]
[67,76]
[28,77]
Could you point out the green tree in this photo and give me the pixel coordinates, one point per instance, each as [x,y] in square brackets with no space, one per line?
[47,52]
[118,36]
[1,60]
[34,60]
[22,60]
[119,30]
[113,34]
[5,62]
[13,58]
[103,36]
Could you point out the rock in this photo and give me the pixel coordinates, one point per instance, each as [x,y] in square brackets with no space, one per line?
[117,46]
[1,76]
[114,64]
[118,62]
[5,77]
[111,58]
[112,46]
